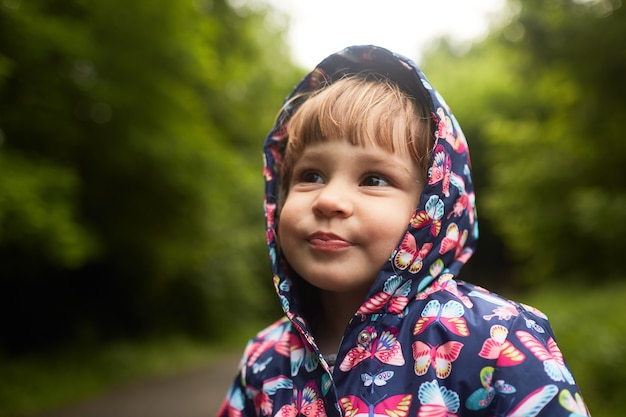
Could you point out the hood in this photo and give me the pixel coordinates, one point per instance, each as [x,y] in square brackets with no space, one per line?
[441,235]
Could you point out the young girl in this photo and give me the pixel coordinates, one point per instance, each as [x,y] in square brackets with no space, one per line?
[370,216]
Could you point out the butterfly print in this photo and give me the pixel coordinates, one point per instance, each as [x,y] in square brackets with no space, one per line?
[270,211]
[378,380]
[459,206]
[262,400]
[454,240]
[440,170]
[394,293]
[431,216]
[505,310]
[409,256]
[235,403]
[439,357]
[550,355]
[482,397]
[301,355]
[307,403]
[384,348]
[394,406]
[260,366]
[498,347]
[447,283]
[445,131]
[437,401]
[573,403]
[274,338]
[450,316]
[532,324]
[532,405]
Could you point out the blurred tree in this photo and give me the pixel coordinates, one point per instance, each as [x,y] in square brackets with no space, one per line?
[565,184]
[130,186]
[541,103]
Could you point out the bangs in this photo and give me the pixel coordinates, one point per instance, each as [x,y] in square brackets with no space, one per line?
[364,112]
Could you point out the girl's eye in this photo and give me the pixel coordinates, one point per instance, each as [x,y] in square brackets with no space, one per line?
[311,176]
[375,181]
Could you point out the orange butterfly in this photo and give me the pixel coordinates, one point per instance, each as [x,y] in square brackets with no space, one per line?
[440,357]
[385,348]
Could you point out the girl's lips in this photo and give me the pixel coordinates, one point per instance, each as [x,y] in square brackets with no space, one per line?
[328,242]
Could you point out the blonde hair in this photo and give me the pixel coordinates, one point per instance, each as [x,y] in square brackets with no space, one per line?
[364,111]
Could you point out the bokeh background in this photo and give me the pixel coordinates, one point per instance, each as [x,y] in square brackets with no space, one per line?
[131,224]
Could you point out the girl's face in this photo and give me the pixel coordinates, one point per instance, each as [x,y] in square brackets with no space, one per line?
[347,209]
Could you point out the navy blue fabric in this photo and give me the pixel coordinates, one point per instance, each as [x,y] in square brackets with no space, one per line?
[422,343]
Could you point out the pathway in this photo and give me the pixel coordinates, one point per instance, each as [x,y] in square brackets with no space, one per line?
[196,393]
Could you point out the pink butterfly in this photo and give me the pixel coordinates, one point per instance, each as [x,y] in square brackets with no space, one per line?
[533,403]
[439,357]
[437,401]
[450,316]
[385,348]
[409,255]
[447,283]
[431,216]
[454,240]
[445,131]
[440,171]
[307,403]
[459,206]
[270,210]
[396,406]
[551,356]
[498,347]
[394,292]
[505,310]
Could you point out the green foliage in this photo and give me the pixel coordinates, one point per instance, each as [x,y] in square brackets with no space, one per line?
[130,169]
[539,101]
[39,200]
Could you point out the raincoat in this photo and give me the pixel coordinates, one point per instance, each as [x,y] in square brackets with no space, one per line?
[422,343]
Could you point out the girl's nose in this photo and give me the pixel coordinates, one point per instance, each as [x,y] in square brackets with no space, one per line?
[333,200]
